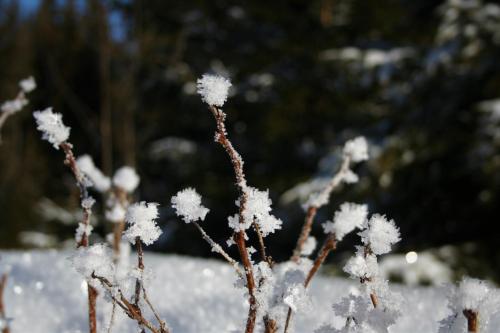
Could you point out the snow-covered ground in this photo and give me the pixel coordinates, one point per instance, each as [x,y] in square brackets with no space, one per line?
[45,295]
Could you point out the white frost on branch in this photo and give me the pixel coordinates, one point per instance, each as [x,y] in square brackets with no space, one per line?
[474,295]
[356,149]
[380,234]
[93,259]
[126,178]
[187,204]
[27,85]
[83,229]
[213,89]
[349,217]
[360,266]
[86,165]
[52,127]
[141,217]
[258,207]
[471,293]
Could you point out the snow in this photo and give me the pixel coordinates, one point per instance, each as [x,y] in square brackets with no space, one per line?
[86,165]
[187,204]
[141,218]
[27,85]
[213,89]
[356,149]
[350,216]
[192,295]
[126,178]
[52,127]
[380,234]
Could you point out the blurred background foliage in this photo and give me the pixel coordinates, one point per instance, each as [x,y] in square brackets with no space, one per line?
[419,79]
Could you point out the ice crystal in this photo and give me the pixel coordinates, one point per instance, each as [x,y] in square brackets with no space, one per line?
[213,89]
[187,204]
[52,127]
[141,218]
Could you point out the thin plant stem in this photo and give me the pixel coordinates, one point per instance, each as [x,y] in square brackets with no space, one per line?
[4,115]
[313,209]
[130,309]
[217,248]
[3,283]
[70,161]
[472,320]
[329,245]
[237,162]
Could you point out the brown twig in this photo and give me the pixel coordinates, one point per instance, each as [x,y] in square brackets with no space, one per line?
[262,245]
[3,283]
[70,161]
[237,162]
[329,245]
[130,309]
[270,325]
[373,296]
[472,320]
[313,209]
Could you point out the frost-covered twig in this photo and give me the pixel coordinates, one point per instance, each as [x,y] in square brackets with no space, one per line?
[130,309]
[236,160]
[354,151]
[217,248]
[11,107]
[187,205]
[143,229]
[54,131]
[214,91]
[472,304]
[329,245]
[4,321]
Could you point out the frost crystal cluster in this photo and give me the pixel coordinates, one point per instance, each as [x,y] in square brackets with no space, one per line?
[27,85]
[187,204]
[258,209]
[95,259]
[213,89]
[126,178]
[350,216]
[380,234]
[141,218]
[356,149]
[475,296]
[52,127]
[86,165]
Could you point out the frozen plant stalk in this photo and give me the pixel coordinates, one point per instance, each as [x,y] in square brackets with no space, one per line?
[214,91]
[54,131]
[11,107]
[354,151]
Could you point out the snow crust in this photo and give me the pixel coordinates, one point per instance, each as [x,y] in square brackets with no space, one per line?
[193,295]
